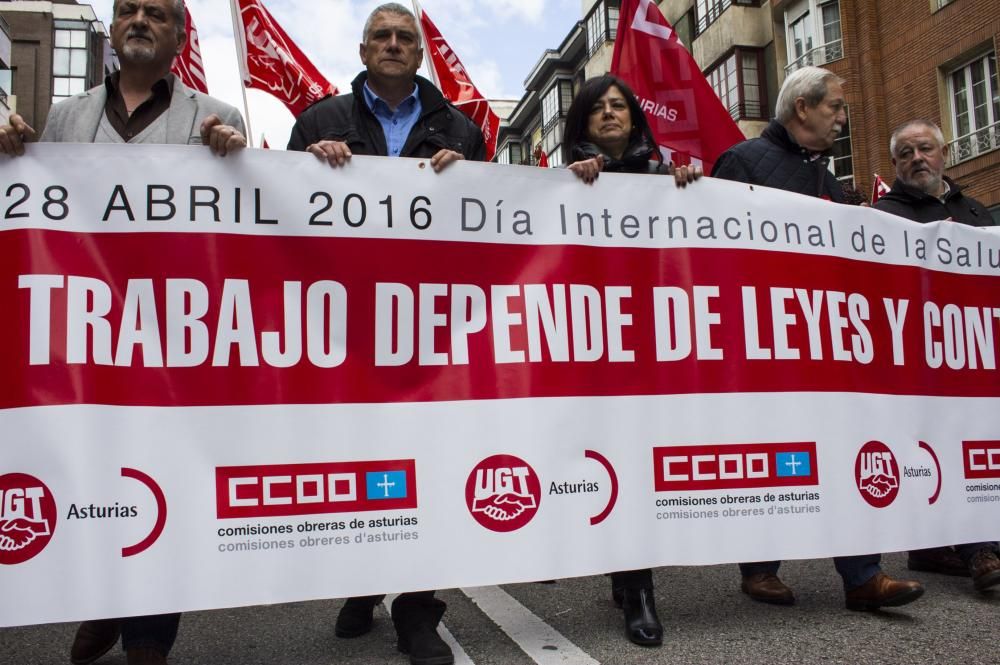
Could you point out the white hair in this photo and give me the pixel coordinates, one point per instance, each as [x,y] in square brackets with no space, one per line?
[919,122]
[809,83]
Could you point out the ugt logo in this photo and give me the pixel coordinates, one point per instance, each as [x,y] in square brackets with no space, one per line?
[877,474]
[503,493]
[27,517]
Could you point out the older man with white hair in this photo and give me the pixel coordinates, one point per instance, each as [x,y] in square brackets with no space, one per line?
[793,154]
[922,192]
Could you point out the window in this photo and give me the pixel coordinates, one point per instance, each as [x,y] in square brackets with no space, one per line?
[69,59]
[602,25]
[975,108]
[556,102]
[842,164]
[738,81]
[5,86]
[813,33]
[710,10]
[509,154]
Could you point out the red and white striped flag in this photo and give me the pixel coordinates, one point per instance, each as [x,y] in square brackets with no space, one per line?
[879,188]
[450,76]
[188,66]
[272,62]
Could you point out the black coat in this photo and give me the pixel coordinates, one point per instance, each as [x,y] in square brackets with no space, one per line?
[347,118]
[776,160]
[915,205]
[639,157]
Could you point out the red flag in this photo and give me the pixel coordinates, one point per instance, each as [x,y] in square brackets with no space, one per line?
[187,66]
[271,62]
[450,76]
[879,188]
[688,120]
[541,158]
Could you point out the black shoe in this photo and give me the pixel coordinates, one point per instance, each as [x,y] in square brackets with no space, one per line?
[642,626]
[356,616]
[617,595]
[416,631]
[93,640]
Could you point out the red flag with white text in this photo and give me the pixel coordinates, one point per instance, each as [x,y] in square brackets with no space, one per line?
[270,60]
[188,66]
[879,188]
[689,122]
[450,76]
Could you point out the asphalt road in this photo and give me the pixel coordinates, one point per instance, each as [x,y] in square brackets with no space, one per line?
[707,620]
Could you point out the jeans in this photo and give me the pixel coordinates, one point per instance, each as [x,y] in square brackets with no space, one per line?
[854,570]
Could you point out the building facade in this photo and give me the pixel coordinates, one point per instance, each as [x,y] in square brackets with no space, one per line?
[57,49]
[6,95]
[900,59]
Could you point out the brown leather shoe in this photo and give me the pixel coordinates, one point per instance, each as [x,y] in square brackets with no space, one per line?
[93,640]
[767,588]
[883,591]
[145,657]
[940,560]
[985,570]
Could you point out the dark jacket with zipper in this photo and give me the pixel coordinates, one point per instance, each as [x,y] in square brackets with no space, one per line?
[776,160]
[918,206]
[347,118]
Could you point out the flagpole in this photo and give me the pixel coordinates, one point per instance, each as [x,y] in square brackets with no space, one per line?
[241,56]
[418,12]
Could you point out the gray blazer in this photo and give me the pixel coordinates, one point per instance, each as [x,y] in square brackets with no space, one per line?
[75,120]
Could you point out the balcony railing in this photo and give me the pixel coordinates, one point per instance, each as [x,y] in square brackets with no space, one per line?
[972,145]
[818,56]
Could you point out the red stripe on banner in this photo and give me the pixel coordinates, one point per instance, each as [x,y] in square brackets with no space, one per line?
[962,339]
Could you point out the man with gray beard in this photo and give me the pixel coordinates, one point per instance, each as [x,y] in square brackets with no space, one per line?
[922,192]
[141,104]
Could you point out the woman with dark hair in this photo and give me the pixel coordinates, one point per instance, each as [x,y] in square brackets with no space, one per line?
[607,131]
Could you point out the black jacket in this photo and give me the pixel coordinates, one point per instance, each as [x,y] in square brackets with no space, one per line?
[776,160]
[914,204]
[639,157]
[347,118]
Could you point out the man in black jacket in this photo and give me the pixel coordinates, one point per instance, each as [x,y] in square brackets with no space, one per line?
[391,112]
[922,193]
[793,154]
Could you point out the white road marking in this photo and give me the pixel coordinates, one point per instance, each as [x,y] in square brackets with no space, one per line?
[461,658]
[540,641]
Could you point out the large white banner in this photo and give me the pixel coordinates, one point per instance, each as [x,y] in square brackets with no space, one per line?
[257,380]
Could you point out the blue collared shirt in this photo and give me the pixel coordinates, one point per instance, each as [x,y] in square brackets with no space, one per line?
[396,125]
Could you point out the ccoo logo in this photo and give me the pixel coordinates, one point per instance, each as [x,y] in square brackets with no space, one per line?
[503,493]
[27,517]
[877,474]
